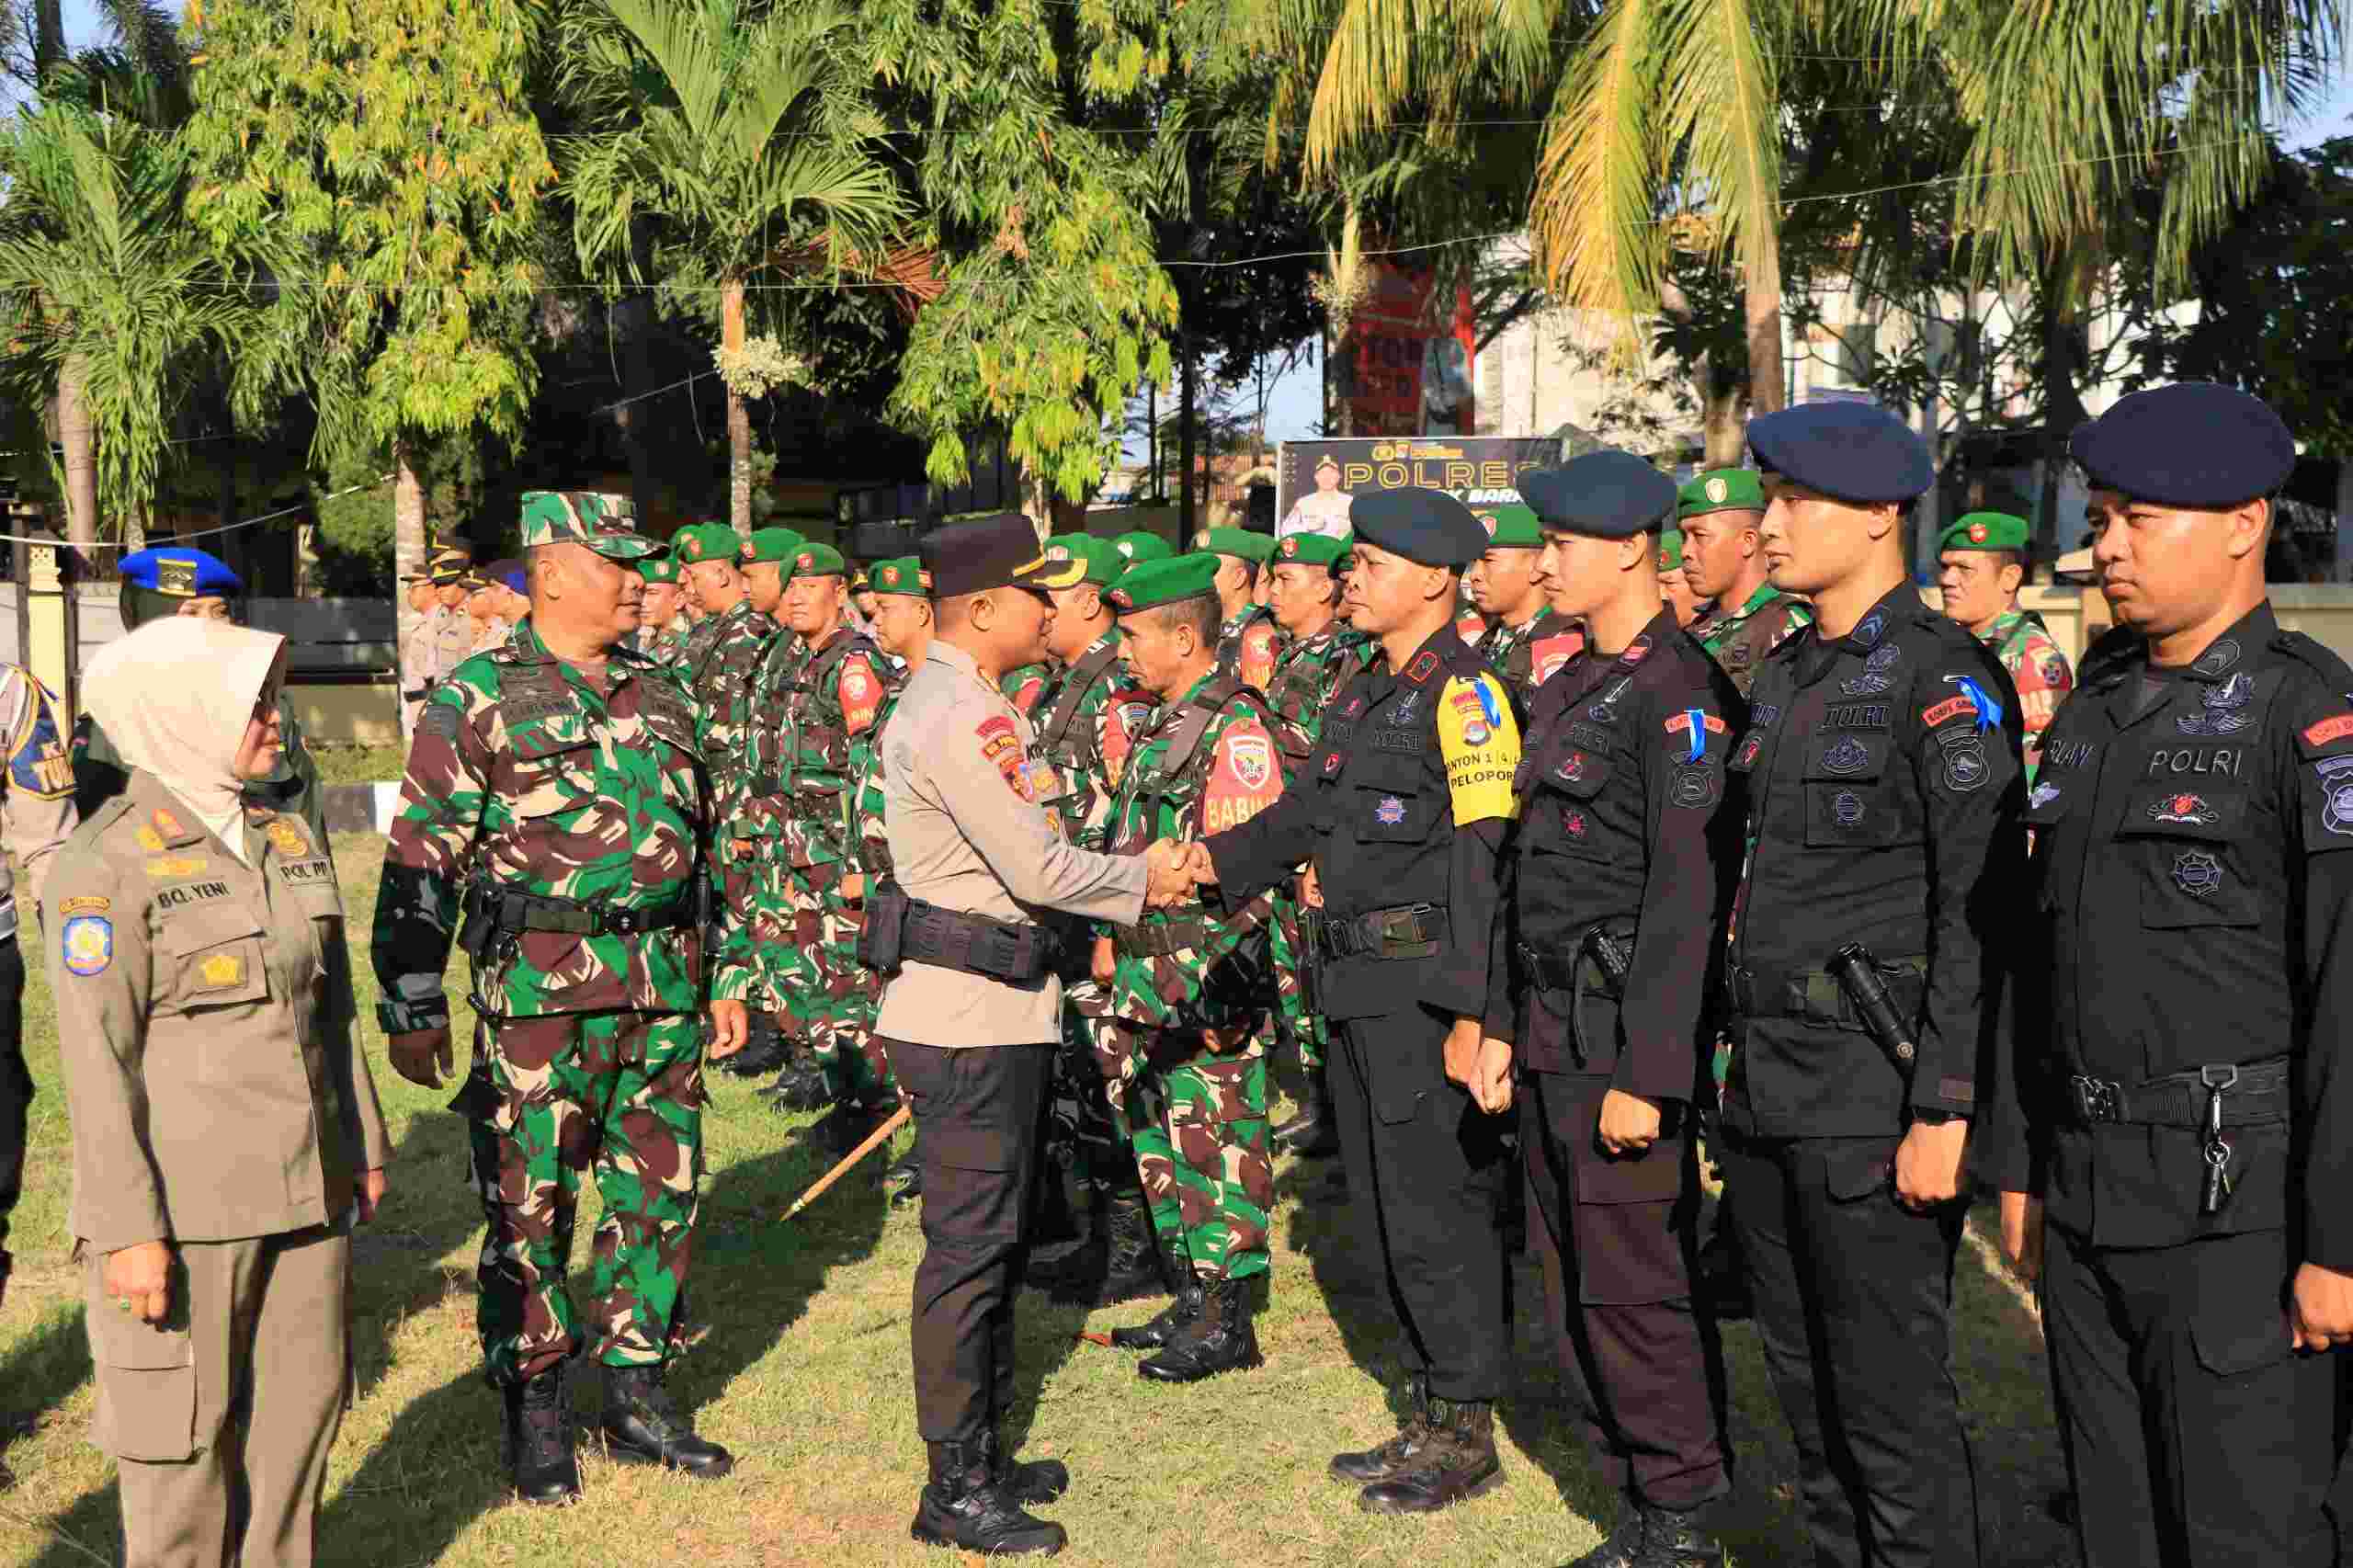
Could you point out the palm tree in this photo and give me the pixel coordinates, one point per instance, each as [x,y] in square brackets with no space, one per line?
[110,300]
[725,143]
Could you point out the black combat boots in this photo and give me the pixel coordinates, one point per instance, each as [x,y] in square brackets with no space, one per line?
[1219,1340]
[763,1050]
[1459,1461]
[540,1452]
[964,1507]
[1314,1132]
[642,1425]
[1386,1461]
[1131,1263]
[1025,1480]
[1155,1332]
[1658,1538]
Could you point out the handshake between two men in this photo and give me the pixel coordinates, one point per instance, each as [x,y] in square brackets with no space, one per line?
[1174,870]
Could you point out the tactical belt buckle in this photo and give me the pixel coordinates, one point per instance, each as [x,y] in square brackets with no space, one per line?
[2098,1099]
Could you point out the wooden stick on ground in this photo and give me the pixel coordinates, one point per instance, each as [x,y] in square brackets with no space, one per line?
[874,1141]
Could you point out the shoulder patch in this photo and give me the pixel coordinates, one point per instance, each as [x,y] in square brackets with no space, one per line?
[2329,730]
[87,905]
[1001,748]
[1479,742]
[86,944]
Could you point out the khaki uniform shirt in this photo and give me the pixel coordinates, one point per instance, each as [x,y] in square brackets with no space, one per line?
[967,834]
[453,640]
[37,813]
[205,1022]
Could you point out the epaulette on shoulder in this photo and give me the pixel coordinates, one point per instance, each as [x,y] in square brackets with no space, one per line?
[2113,645]
[2318,657]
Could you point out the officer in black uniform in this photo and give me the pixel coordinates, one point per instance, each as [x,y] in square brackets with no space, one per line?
[2175,1142]
[1403,806]
[1862,989]
[1616,883]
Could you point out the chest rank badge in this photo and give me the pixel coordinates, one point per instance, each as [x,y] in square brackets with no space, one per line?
[2191,809]
[2220,714]
[1572,821]
[1879,673]
[2197,873]
[287,839]
[222,971]
[1847,808]
[2041,795]
[1849,756]
[1571,768]
[1390,813]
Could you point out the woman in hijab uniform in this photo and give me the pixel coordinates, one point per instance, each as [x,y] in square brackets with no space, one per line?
[226,1132]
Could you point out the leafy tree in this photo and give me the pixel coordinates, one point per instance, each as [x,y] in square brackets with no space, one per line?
[378,160]
[724,145]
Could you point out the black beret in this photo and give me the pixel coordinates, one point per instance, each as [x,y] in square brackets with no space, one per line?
[1607,495]
[988,552]
[1855,452]
[1425,525]
[2197,444]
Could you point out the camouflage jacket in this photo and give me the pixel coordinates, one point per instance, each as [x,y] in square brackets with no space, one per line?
[1024,684]
[1527,656]
[1085,721]
[1309,672]
[527,777]
[862,801]
[1204,764]
[723,653]
[1246,646]
[808,712]
[1739,640]
[2038,668]
[667,648]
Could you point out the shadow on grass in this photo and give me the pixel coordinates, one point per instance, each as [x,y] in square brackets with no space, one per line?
[40,1371]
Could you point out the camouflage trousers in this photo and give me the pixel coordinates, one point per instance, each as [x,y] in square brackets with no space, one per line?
[1197,1120]
[1299,1028]
[620,1095]
[1083,1136]
[830,998]
[753,887]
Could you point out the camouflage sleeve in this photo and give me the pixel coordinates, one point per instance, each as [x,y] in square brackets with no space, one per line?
[38,814]
[442,799]
[1245,777]
[2043,681]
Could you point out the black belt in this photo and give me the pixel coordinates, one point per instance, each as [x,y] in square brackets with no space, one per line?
[2251,1094]
[512,912]
[951,938]
[1816,995]
[1401,931]
[1165,938]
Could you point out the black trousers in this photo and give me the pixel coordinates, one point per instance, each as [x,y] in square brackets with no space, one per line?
[1426,1167]
[1854,1306]
[979,1109]
[2195,1435]
[1643,1366]
[16,1081]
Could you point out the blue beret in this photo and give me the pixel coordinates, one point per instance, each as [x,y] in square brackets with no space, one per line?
[181,572]
[1607,494]
[2197,444]
[1855,452]
[1425,525]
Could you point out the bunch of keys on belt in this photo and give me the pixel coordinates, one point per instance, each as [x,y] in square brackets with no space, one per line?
[2218,1150]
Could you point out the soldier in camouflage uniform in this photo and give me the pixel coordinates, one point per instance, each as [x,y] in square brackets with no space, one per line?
[811,707]
[1320,653]
[1743,616]
[1523,638]
[1024,684]
[557,775]
[662,636]
[1181,1048]
[1983,560]
[1247,638]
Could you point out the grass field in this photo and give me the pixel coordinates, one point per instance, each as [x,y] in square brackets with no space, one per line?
[803,1371]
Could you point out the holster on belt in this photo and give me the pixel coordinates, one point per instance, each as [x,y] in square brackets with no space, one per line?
[1309,956]
[1598,966]
[886,920]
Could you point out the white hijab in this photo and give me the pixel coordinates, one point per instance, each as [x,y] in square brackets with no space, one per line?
[174,697]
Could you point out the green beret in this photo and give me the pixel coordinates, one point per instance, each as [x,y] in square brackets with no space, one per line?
[1155,582]
[1670,550]
[658,569]
[1985,531]
[704,542]
[1073,559]
[1511,528]
[1346,561]
[904,577]
[770,544]
[1309,550]
[817,561]
[1720,490]
[1142,546]
[1239,543]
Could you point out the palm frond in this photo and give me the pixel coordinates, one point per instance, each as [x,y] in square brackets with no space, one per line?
[688,47]
[1382,55]
[1592,218]
[1723,109]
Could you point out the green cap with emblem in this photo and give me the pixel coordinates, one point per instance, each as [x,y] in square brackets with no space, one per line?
[1511,528]
[661,568]
[592,517]
[818,561]
[1309,550]
[704,542]
[1155,582]
[769,544]
[1985,531]
[904,577]
[1142,546]
[1240,542]
[1670,550]
[1720,490]
[1073,559]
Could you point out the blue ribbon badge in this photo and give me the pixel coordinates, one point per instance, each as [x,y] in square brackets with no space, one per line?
[1697,720]
[1989,712]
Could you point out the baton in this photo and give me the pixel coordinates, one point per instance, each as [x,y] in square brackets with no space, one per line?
[874,1141]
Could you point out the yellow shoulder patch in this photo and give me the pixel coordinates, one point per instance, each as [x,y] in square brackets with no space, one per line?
[1479,740]
[150,840]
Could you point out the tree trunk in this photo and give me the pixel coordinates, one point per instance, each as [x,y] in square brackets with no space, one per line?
[408,537]
[1722,430]
[2062,404]
[49,38]
[78,436]
[1767,385]
[1152,437]
[739,415]
[1185,437]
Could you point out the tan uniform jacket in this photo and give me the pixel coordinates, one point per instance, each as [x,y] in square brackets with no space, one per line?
[453,640]
[205,1021]
[37,814]
[967,834]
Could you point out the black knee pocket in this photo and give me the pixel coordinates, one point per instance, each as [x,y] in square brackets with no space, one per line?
[2234,1338]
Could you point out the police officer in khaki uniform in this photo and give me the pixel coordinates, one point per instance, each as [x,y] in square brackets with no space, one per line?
[225,1128]
[972,1007]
